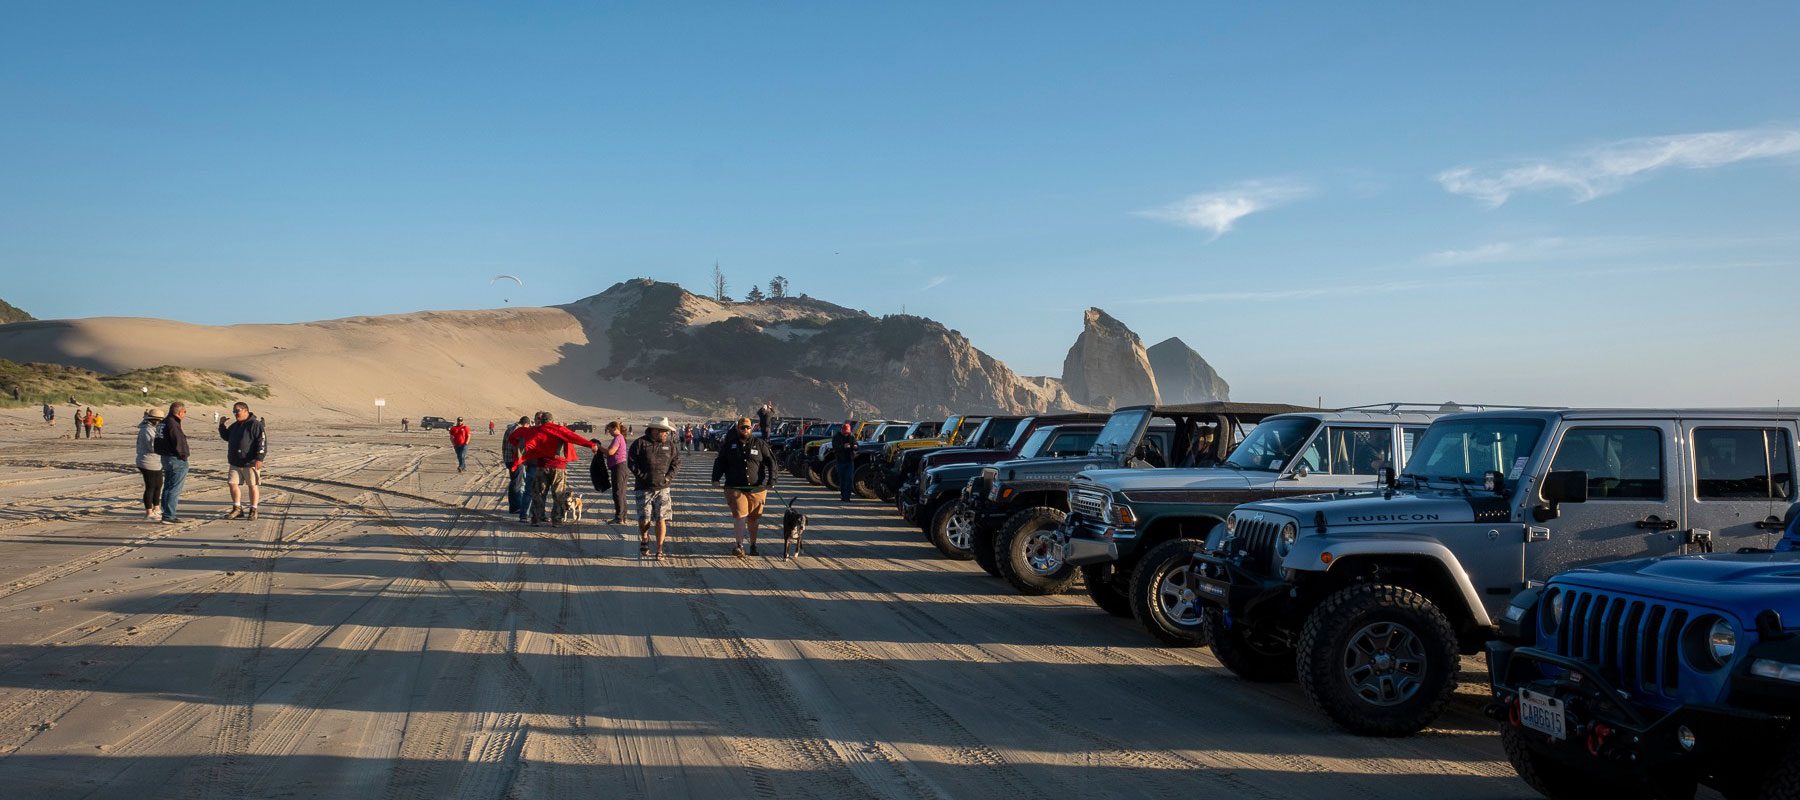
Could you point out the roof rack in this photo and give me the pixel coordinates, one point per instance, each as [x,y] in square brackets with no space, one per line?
[1448,407]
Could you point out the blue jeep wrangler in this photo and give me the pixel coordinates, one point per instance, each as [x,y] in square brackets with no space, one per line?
[1645,678]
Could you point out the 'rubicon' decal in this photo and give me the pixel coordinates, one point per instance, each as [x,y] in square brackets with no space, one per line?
[1392,518]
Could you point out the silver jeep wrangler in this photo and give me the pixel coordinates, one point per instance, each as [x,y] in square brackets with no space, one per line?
[1368,598]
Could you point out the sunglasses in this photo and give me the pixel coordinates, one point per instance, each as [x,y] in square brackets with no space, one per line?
[743,427]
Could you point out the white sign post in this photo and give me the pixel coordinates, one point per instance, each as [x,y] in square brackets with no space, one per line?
[379,404]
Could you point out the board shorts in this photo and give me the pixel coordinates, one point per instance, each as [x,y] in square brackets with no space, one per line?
[745,503]
[655,505]
[248,476]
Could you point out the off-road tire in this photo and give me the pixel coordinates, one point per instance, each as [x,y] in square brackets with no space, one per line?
[1168,563]
[865,477]
[1103,589]
[814,476]
[828,477]
[1783,780]
[1257,664]
[1010,553]
[1560,782]
[940,533]
[981,548]
[1320,657]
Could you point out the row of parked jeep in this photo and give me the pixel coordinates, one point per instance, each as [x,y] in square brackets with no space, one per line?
[1630,574]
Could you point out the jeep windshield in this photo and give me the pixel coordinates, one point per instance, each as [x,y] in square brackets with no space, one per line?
[1120,429]
[1272,445]
[1461,451]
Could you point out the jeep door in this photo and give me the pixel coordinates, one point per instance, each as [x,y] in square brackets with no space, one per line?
[1347,456]
[1743,481]
[1633,507]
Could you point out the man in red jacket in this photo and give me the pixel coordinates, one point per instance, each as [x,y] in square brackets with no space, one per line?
[459,438]
[552,448]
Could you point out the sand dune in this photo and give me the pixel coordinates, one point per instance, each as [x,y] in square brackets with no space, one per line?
[480,364]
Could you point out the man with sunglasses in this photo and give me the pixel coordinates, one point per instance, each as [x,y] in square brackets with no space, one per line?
[746,465]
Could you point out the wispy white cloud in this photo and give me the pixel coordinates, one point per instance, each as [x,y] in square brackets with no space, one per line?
[1351,290]
[1608,167]
[1591,248]
[1218,211]
[934,282]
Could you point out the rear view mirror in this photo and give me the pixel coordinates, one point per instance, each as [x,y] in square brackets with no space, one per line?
[1561,486]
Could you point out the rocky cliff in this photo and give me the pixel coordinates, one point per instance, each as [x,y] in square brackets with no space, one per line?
[1182,376]
[1108,366]
[12,313]
[808,356]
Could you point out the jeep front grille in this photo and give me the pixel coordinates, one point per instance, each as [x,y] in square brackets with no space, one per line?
[1256,537]
[1088,503]
[1635,642]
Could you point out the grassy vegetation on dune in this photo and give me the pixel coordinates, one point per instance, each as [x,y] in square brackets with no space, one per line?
[12,313]
[34,384]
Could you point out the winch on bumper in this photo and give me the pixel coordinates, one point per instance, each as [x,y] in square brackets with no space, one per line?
[1224,582]
[1565,709]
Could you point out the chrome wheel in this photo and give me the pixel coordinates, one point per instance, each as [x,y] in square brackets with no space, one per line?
[1385,663]
[958,529]
[1175,597]
[1042,552]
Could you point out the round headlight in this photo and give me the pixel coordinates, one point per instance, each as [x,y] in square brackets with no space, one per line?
[1553,608]
[1721,641]
[1231,524]
[1289,533]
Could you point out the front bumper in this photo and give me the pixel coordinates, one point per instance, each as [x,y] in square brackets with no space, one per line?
[1086,541]
[1241,593]
[1608,733]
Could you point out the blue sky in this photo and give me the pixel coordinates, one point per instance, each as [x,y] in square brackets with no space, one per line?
[1547,203]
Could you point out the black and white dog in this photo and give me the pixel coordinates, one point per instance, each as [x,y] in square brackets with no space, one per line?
[793,526]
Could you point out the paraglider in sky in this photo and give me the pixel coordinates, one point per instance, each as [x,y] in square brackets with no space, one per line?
[513,278]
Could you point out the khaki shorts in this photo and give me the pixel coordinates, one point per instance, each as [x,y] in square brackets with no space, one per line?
[654,505]
[745,504]
[248,476]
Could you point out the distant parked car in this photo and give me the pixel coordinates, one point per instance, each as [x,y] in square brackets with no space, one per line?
[427,423]
[582,425]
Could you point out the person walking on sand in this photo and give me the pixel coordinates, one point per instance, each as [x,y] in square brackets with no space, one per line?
[80,422]
[762,416]
[516,485]
[87,421]
[552,446]
[49,414]
[617,450]
[246,446]
[404,423]
[98,421]
[490,427]
[654,459]
[149,464]
[746,466]
[172,447]
[459,439]
[843,450]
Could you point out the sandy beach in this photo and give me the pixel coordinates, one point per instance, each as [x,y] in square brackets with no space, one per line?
[385,630]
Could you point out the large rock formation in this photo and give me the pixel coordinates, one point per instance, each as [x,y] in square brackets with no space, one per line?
[12,313]
[807,356]
[1182,376]
[1108,366]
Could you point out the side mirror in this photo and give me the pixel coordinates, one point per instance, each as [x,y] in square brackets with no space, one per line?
[1561,486]
[1386,476]
[1300,471]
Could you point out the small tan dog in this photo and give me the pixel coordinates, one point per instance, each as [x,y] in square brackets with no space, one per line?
[575,508]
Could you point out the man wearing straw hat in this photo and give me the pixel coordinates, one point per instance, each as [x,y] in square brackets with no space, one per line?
[654,460]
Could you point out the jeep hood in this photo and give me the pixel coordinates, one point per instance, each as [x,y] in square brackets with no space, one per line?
[1214,478]
[1744,583]
[1349,509]
[1031,468]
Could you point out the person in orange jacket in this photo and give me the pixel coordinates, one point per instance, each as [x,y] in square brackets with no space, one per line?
[552,447]
[459,438]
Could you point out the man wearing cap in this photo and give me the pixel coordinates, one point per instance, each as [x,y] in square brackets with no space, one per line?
[459,439]
[551,447]
[654,460]
[747,466]
[518,478]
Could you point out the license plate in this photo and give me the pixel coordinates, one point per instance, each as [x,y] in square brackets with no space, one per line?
[1542,713]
